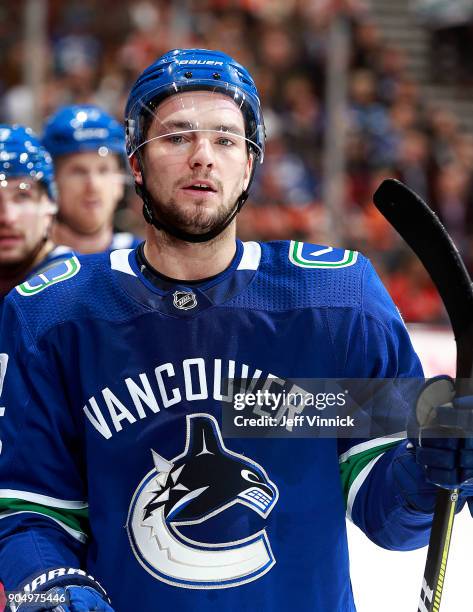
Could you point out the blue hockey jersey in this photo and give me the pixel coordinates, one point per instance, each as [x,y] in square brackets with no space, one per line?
[113,457]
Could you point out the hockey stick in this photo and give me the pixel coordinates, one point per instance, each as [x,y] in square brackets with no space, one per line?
[421,229]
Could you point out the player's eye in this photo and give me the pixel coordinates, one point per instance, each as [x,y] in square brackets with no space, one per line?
[105,169]
[77,172]
[176,139]
[225,141]
[22,196]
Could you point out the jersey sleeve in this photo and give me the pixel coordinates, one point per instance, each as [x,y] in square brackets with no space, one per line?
[367,466]
[43,508]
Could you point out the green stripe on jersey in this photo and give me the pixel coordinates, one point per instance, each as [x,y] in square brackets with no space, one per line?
[354,464]
[76,519]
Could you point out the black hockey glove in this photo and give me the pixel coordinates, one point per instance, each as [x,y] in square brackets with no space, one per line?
[441,434]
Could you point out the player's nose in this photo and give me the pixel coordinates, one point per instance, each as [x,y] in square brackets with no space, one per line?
[93,180]
[202,154]
[8,211]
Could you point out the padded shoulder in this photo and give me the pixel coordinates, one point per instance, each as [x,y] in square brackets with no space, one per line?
[73,289]
[298,275]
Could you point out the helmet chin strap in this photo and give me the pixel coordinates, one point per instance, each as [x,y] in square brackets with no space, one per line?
[150,217]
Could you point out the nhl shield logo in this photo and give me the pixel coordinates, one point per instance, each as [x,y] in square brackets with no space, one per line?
[184,300]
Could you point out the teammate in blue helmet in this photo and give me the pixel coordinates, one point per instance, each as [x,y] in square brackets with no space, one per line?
[115,472]
[27,205]
[88,148]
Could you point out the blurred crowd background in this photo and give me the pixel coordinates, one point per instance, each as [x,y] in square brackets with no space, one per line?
[94,49]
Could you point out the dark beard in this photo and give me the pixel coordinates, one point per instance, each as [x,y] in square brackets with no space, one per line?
[14,268]
[14,273]
[194,222]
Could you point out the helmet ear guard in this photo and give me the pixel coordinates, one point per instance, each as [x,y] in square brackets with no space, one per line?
[186,70]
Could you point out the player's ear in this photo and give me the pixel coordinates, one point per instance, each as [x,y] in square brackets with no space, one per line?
[136,169]
[248,169]
[50,211]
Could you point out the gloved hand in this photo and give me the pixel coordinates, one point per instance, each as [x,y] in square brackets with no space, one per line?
[81,599]
[441,435]
[70,591]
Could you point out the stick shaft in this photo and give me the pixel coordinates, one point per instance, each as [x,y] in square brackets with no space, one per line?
[424,233]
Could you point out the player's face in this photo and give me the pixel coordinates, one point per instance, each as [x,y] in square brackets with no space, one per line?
[25,217]
[196,161]
[89,189]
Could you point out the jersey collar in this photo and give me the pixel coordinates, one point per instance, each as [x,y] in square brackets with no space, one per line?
[178,298]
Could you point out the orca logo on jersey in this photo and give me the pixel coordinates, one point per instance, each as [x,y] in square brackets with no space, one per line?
[202,482]
[184,300]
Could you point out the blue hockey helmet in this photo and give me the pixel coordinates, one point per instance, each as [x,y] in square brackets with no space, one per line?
[79,128]
[183,70]
[21,154]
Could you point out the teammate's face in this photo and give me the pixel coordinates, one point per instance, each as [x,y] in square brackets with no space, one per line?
[89,189]
[25,217]
[196,162]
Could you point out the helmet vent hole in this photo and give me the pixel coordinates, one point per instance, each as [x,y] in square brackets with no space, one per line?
[216,75]
[188,75]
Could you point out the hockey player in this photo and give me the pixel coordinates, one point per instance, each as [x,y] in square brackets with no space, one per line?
[27,207]
[88,149]
[115,475]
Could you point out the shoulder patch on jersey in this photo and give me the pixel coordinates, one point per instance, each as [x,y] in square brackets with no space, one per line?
[307,255]
[62,271]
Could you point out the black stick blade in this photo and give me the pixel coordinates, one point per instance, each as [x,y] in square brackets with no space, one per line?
[422,230]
